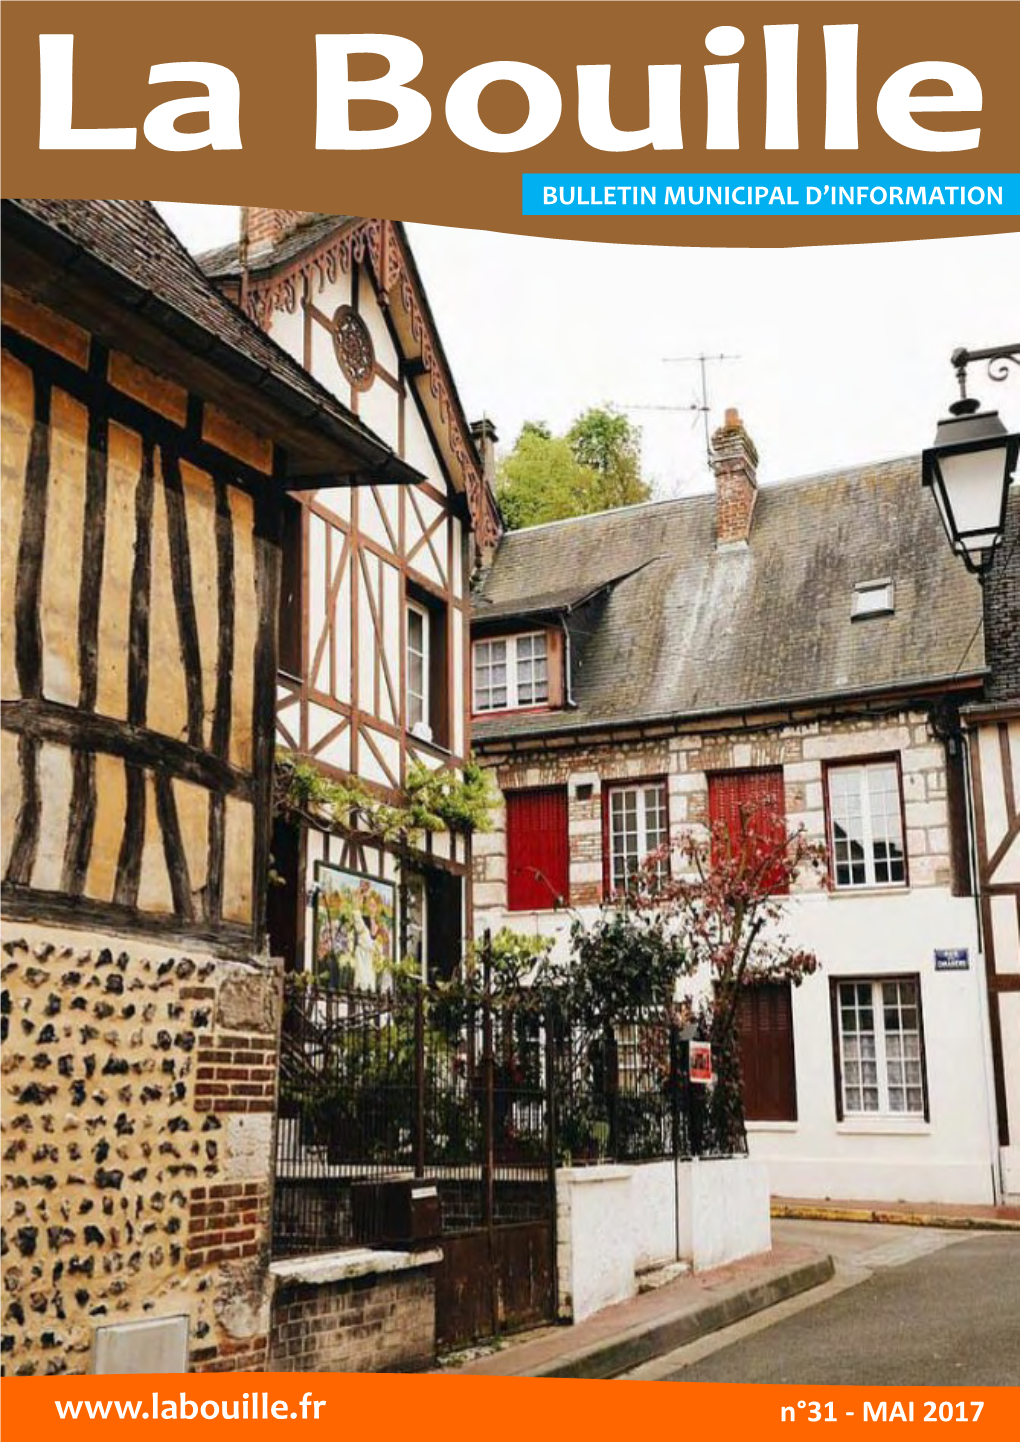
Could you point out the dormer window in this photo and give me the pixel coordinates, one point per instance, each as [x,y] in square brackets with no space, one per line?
[511,672]
[872,598]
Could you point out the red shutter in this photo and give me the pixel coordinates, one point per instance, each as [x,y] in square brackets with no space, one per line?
[538,849]
[765,1020]
[734,796]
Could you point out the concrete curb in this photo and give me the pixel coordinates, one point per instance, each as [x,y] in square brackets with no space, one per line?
[821,1213]
[631,1349]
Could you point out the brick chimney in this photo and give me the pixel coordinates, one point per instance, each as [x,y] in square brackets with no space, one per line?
[262,227]
[735,467]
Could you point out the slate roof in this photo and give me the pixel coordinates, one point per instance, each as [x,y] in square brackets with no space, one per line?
[128,242]
[702,631]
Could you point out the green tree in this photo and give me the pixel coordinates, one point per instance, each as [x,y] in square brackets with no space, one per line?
[605,442]
[594,467]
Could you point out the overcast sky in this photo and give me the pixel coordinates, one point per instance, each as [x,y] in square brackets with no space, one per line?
[843,350]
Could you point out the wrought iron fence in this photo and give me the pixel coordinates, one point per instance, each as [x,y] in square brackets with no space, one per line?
[483,1096]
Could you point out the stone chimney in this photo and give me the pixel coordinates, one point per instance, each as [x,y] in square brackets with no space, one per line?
[735,467]
[483,433]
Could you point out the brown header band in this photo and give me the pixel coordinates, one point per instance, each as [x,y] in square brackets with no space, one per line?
[271,50]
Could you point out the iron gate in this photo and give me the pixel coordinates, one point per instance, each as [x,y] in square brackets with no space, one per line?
[438,1085]
[480,1096]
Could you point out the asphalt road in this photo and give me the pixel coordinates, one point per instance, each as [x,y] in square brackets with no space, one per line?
[949,1316]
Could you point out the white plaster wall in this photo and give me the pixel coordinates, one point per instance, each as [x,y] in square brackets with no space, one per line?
[725,1203]
[368,308]
[1009,1157]
[614,1222]
[288,330]
[949,1157]
[594,1239]
[655,1190]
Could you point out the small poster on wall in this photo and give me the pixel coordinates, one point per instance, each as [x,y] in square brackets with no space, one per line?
[700,1066]
[354,928]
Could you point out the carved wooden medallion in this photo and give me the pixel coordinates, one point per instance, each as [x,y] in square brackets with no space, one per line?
[355,352]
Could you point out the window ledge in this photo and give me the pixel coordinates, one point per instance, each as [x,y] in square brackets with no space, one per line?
[879,1125]
[842,892]
[775,1126]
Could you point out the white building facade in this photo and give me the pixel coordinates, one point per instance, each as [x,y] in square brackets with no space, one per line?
[810,645]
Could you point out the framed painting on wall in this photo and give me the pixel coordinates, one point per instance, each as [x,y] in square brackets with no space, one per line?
[354,928]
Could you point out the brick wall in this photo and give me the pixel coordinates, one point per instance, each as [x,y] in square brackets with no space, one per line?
[685,762]
[1002,612]
[127,1192]
[375,1323]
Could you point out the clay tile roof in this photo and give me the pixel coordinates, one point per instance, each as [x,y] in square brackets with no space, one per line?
[697,630]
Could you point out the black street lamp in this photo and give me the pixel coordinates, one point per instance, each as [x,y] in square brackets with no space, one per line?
[970,465]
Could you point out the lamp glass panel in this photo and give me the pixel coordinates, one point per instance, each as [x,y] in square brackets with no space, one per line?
[973,482]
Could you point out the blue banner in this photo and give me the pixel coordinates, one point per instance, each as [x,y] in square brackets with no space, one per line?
[733,193]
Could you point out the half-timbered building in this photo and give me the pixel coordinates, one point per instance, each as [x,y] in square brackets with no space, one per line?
[151,435]
[374,623]
[993,737]
[811,645]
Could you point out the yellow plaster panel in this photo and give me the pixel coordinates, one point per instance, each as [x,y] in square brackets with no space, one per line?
[18,407]
[108,832]
[222,430]
[124,465]
[45,326]
[168,698]
[55,778]
[154,391]
[245,629]
[10,794]
[62,554]
[154,892]
[193,818]
[237,861]
[200,507]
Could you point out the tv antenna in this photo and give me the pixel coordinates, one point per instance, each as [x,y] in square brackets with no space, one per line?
[701,404]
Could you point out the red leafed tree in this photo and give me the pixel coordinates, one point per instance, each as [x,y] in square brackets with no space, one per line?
[728,898]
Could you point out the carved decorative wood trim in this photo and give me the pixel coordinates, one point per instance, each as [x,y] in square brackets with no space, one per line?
[377,242]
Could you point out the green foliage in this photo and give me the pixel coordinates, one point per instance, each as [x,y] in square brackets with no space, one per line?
[443,801]
[436,800]
[605,442]
[594,467]
[622,962]
[517,960]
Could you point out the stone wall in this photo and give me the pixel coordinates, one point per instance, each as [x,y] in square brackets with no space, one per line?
[685,760]
[138,1102]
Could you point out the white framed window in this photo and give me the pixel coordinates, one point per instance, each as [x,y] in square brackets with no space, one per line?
[638,823]
[417,668]
[511,672]
[866,825]
[880,1050]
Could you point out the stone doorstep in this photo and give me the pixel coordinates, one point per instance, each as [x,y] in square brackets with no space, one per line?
[320,1270]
